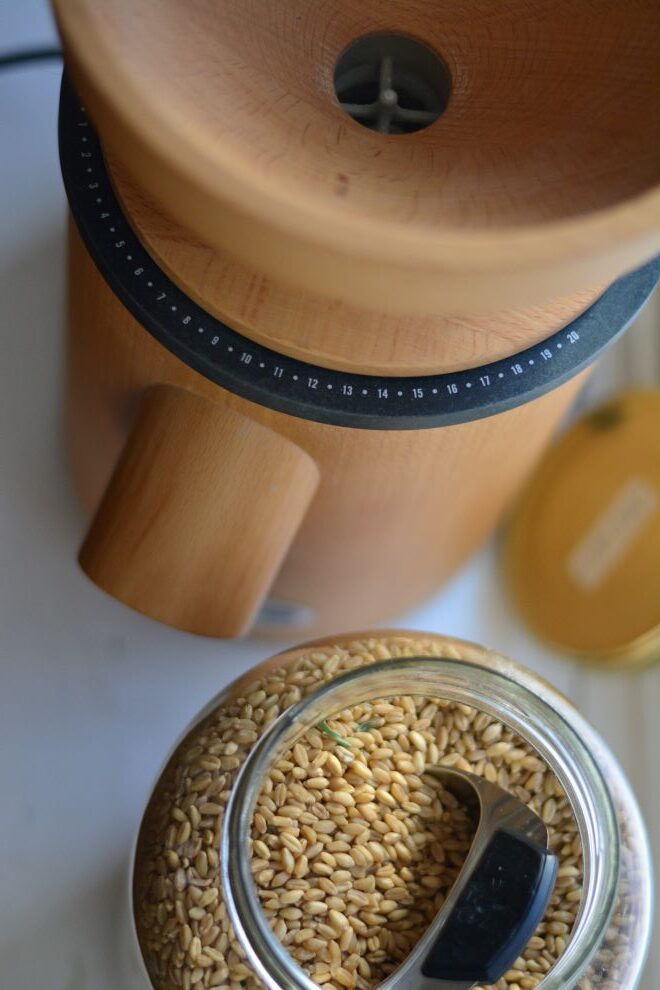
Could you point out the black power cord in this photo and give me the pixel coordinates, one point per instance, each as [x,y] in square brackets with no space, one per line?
[25,56]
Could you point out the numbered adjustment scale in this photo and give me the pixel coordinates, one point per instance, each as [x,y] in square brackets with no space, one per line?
[259,434]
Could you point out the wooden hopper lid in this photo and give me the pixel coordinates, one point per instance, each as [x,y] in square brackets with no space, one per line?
[540,177]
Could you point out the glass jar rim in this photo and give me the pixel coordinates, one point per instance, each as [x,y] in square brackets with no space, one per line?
[521,700]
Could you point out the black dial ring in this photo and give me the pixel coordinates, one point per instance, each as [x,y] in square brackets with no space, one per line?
[296,387]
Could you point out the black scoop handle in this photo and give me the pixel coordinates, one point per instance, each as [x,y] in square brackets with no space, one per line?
[503,901]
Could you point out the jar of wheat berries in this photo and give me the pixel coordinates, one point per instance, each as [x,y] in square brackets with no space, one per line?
[351,843]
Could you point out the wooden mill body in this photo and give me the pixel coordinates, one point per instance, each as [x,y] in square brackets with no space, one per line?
[235,501]
[206,504]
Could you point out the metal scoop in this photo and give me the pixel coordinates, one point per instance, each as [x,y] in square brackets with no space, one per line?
[497,901]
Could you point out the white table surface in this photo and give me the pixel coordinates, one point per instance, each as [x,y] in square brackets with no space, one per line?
[91,694]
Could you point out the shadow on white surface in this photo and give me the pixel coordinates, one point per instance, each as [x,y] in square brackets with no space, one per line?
[70,942]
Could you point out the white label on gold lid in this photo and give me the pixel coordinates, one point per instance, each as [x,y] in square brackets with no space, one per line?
[612,534]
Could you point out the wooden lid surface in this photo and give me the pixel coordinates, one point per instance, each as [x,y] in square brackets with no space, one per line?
[541,176]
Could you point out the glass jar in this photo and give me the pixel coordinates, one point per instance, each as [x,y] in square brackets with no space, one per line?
[184,893]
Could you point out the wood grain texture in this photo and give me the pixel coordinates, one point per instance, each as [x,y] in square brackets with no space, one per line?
[395,512]
[198,515]
[329,332]
[540,178]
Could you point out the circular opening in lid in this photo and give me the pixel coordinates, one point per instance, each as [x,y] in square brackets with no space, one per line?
[391,83]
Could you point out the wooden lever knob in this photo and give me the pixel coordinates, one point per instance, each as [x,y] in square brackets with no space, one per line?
[198,515]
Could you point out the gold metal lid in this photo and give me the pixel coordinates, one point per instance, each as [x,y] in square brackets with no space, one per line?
[582,553]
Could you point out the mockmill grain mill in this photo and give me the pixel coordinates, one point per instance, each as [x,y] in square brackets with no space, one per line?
[336,270]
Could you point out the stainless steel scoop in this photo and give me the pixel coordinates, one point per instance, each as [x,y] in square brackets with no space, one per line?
[497,901]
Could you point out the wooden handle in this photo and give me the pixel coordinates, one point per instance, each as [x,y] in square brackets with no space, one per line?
[198,515]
